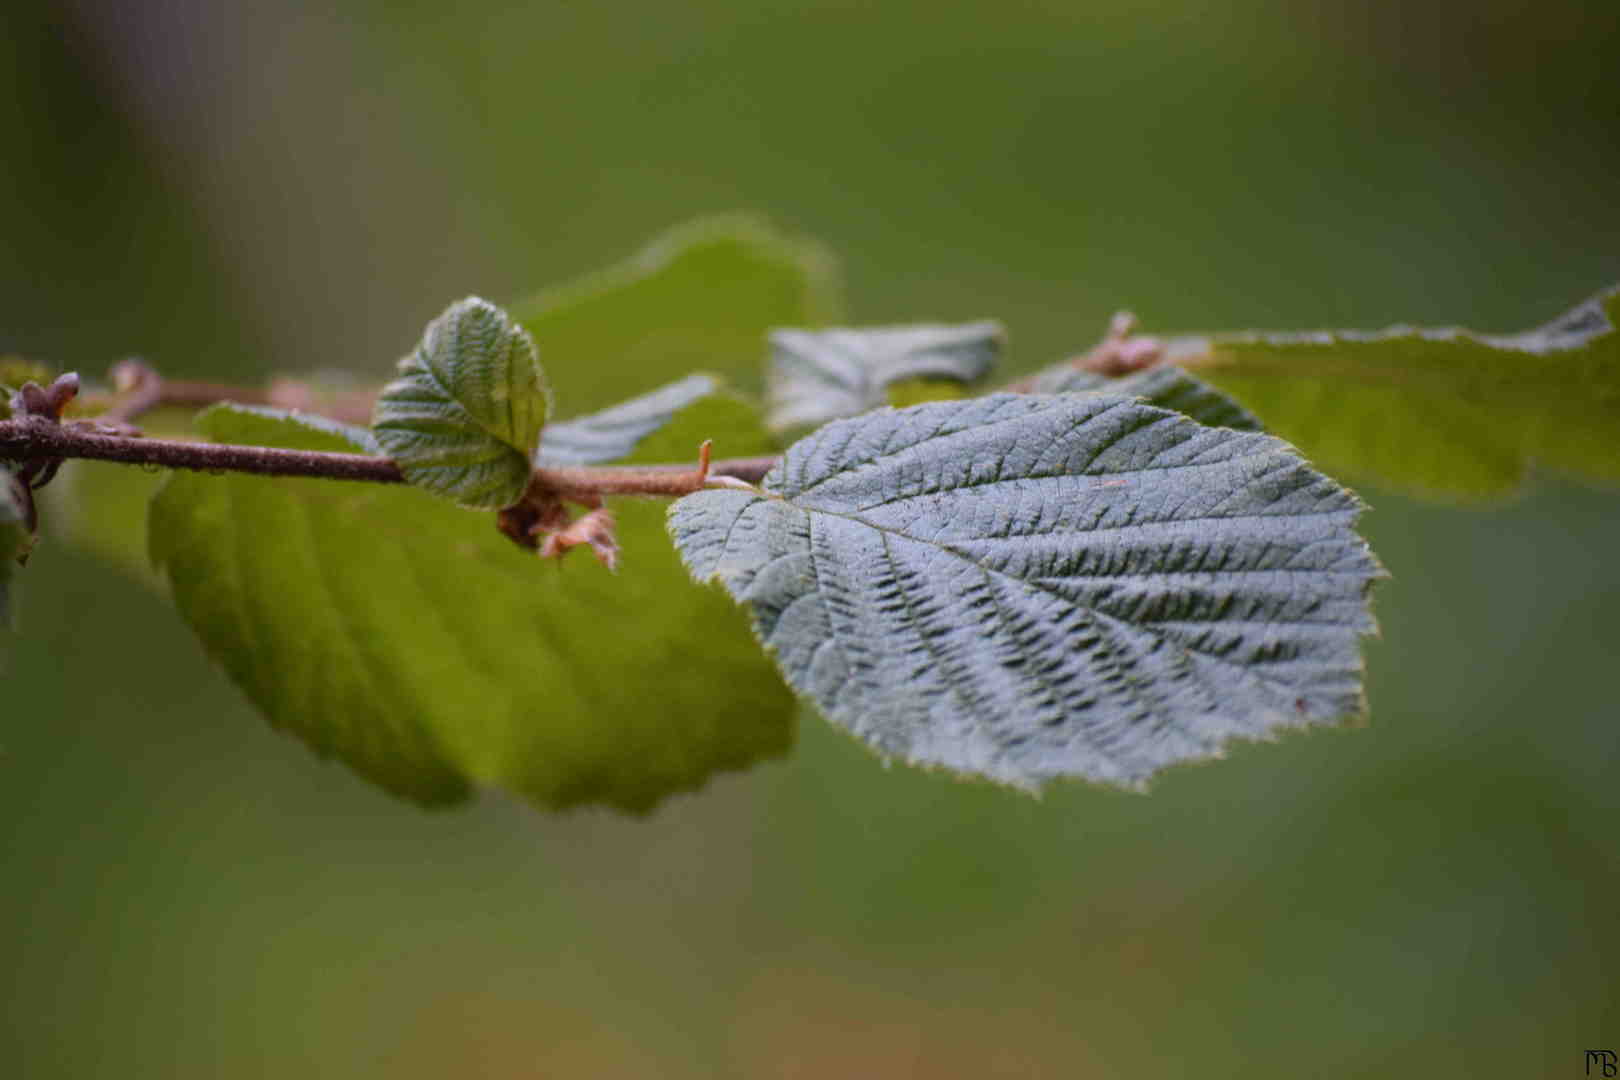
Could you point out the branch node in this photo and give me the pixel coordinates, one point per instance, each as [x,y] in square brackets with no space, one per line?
[45,402]
[1121,351]
[540,522]
[594,529]
[139,387]
[703,462]
[732,483]
[42,407]
[132,374]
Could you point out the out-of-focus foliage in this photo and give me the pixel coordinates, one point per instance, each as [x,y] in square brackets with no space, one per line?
[614,432]
[817,376]
[699,298]
[1440,412]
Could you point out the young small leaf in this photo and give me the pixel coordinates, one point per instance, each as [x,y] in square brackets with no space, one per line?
[1166,387]
[821,375]
[464,417]
[1026,587]
[1440,412]
[390,629]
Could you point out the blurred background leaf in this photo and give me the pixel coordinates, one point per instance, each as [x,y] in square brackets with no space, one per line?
[699,297]
[1444,413]
[236,191]
[821,375]
[612,434]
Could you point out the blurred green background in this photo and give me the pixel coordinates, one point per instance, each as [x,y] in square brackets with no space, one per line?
[235,190]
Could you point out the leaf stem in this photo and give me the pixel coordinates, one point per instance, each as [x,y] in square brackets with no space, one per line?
[29,439]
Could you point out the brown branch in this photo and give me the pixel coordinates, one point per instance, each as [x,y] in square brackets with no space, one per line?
[25,440]
[1122,351]
[141,389]
[31,439]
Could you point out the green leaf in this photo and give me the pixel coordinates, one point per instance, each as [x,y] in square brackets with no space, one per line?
[917,391]
[1439,412]
[699,298]
[613,433]
[14,536]
[1026,587]
[386,627]
[822,375]
[1166,387]
[464,417]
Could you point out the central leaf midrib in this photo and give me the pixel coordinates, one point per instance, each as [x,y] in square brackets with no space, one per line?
[455,400]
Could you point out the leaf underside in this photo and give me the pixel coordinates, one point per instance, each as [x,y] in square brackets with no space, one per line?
[408,638]
[613,433]
[464,416]
[1027,587]
[1438,412]
[822,375]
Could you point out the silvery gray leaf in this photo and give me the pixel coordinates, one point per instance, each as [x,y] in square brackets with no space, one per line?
[613,433]
[1025,587]
[821,375]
